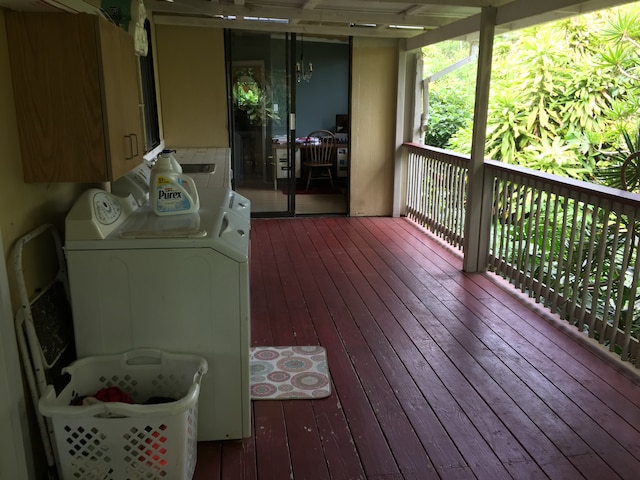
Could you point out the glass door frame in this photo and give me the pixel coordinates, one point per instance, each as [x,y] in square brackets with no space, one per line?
[290,92]
[291,116]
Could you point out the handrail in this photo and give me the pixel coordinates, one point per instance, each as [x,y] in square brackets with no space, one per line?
[570,245]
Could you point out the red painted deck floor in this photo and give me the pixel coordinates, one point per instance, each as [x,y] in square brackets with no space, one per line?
[436,373]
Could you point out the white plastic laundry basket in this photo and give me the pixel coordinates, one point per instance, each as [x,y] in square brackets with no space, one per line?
[121,441]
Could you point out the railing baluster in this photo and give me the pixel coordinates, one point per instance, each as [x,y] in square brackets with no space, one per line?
[436,195]
[621,284]
[521,205]
[564,254]
[632,258]
[528,245]
[426,191]
[447,204]
[552,264]
[543,250]
[610,278]
[602,249]
[570,245]
[579,273]
[507,230]
[495,219]
[586,276]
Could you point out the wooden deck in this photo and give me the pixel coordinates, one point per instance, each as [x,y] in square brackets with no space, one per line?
[436,373]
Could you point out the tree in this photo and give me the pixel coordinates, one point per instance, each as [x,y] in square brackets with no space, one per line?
[451,96]
[565,99]
[621,167]
[557,104]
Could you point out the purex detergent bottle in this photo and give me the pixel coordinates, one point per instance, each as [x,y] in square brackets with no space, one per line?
[170,191]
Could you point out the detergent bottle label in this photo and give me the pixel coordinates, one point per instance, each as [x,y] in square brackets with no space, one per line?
[171,196]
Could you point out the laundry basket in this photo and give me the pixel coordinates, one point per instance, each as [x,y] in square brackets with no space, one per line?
[153,438]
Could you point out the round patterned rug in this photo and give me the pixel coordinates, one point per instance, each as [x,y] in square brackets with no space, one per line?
[289,373]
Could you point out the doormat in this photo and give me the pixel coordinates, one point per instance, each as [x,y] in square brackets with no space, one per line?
[289,373]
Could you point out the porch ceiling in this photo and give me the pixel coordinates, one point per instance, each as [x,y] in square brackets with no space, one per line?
[421,22]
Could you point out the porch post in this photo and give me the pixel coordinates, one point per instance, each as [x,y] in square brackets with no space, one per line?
[406,122]
[479,192]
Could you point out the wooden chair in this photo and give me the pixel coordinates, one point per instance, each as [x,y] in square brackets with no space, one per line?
[320,147]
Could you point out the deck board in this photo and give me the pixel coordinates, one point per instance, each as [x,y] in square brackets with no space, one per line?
[512,345]
[370,442]
[436,373]
[501,442]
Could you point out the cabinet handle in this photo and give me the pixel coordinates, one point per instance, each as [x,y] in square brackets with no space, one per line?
[130,147]
[136,137]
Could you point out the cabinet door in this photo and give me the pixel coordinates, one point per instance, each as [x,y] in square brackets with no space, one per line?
[120,76]
[73,82]
[131,103]
[56,83]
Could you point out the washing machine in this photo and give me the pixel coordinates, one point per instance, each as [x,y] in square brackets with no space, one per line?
[178,283]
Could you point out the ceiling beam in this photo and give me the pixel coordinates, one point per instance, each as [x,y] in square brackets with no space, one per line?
[459,23]
[525,13]
[310,4]
[448,32]
[161,19]
[310,14]
[477,4]
[515,15]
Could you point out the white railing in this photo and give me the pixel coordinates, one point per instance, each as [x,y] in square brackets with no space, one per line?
[437,191]
[572,246]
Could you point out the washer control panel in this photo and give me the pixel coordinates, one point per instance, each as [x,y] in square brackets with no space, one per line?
[106,208]
[96,214]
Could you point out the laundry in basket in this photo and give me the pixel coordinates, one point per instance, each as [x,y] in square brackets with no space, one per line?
[116,440]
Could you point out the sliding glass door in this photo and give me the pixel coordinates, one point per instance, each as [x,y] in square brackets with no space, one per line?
[282,88]
[261,93]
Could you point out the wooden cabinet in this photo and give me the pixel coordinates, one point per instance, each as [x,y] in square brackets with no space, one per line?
[75,81]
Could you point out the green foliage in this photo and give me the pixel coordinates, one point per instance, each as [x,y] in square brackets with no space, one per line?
[526,220]
[621,168]
[562,94]
[565,99]
[448,112]
[251,98]
[620,165]
[450,96]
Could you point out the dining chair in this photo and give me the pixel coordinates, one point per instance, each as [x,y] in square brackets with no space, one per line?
[320,146]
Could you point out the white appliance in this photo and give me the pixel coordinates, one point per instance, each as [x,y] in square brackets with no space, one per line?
[343,161]
[282,166]
[179,283]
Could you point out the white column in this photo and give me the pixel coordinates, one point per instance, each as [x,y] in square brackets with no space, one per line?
[407,120]
[478,215]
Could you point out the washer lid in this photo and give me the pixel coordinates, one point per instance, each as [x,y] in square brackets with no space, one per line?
[215,226]
[145,224]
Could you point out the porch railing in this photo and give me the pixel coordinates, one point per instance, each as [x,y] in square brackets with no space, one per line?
[572,246]
[437,190]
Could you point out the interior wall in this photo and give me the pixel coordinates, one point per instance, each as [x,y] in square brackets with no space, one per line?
[373,115]
[192,86]
[24,207]
[194,109]
[327,93]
